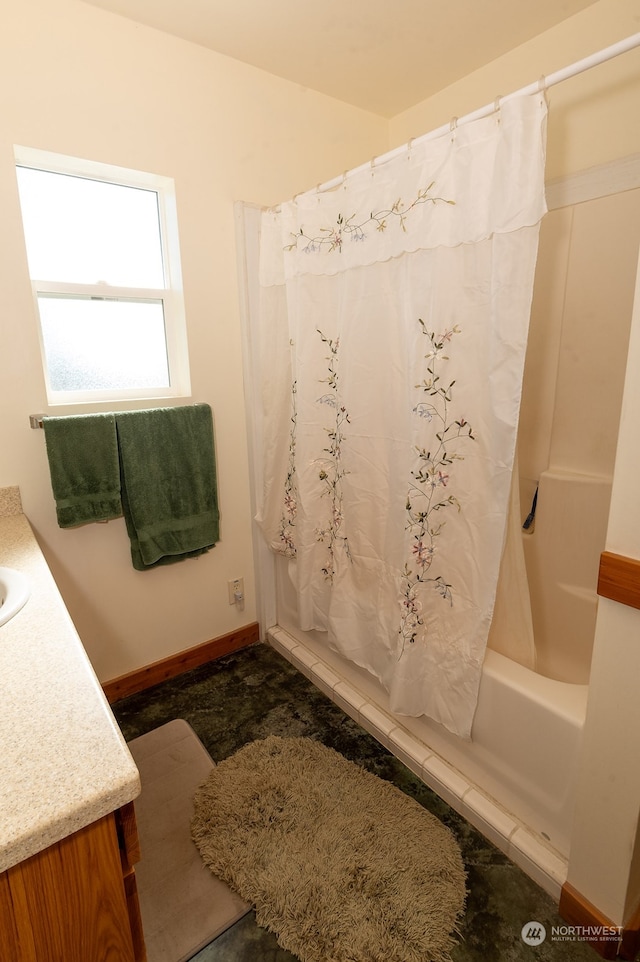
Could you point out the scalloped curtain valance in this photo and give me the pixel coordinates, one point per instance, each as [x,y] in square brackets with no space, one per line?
[483,178]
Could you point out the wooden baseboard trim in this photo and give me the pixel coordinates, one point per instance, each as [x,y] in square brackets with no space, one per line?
[609,941]
[159,671]
[630,945]
[619,579]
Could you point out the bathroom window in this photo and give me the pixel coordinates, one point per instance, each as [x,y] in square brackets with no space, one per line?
[103,254]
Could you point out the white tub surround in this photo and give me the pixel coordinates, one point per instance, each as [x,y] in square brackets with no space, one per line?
[64,761]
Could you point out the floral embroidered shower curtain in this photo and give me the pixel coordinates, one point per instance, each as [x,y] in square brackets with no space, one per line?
[393,325]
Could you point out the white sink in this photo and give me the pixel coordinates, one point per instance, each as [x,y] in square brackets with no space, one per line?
[14,593]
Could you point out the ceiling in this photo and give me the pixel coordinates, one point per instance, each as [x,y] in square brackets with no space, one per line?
[381,55]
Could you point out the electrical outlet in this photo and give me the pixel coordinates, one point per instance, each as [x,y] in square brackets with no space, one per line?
[236,587]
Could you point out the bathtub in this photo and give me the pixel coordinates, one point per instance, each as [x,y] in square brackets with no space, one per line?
[514,781]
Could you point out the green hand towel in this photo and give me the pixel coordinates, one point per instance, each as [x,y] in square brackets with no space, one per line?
[83,462]
[168,481]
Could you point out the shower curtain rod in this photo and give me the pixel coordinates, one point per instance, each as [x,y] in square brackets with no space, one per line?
[608,53]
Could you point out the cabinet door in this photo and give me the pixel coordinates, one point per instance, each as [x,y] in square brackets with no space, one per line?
[69,901]
[8,930]
[130,854]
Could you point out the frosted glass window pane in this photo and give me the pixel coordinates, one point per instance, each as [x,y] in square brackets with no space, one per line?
[86,231]
[101,344]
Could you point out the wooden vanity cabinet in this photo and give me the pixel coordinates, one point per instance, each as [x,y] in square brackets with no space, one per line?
[76,901]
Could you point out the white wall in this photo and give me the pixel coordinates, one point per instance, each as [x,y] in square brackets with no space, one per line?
[80,81]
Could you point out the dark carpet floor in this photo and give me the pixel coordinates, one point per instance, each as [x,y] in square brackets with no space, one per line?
[254,693]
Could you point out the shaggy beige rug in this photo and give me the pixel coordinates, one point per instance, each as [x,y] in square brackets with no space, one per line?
[339,864]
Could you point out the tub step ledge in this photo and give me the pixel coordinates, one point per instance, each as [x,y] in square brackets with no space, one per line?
[544,864]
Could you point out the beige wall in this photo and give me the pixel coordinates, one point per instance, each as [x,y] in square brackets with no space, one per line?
[79,81]
[592,117]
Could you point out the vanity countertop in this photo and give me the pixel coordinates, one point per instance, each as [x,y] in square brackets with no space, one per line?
[64,762]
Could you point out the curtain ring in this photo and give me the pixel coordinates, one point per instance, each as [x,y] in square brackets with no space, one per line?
[409,145]
[373,165]
[453,124]
[344,180]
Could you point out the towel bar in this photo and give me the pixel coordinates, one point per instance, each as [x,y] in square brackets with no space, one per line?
[35,420]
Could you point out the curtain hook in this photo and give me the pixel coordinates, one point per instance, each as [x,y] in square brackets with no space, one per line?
[453,124]
[542,87]
[409,146]
[373,165]
[344,180]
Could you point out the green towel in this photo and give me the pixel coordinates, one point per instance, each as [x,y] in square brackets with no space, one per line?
[168,482]
[83,462]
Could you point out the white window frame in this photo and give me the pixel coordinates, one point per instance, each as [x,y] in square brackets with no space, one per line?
[171,295]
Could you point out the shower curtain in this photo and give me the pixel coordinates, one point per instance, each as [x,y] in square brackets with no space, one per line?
[393,324]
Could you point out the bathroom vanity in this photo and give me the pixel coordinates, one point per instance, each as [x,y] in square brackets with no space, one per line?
[68,841]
